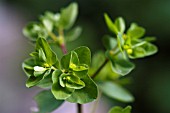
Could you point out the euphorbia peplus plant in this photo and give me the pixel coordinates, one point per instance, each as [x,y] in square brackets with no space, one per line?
[71,78]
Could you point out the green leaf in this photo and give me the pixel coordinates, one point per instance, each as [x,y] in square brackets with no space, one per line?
[112,27]
[84,55]
[115,91]
[71,81]
[118,109]
[73,34]
[122,66]
[32,81]
[68,16]
[33,30]
[46,82]
[74,59]
[41,55]
[46,102]
[85,95]
[120,41]
[65,61]
[141,50]
[135,31]
[28,66]
[48,24]
[120,24]
[109,42]
[80,70]
[51,57]
[35,80]
[59,92]
[149,39]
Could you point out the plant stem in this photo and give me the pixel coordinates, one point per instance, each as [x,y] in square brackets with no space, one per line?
[96,103]
[53,36]
[100,68]
[62,41]
[79,108]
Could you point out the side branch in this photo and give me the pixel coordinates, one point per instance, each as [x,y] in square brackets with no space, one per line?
[100,68]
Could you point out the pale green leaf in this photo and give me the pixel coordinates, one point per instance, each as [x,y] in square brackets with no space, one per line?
[68,16]
[33,30]
[120,23]
[115,91]
[73,34]
[111,26]
[135,31]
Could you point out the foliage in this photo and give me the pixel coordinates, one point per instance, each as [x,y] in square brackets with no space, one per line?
[73,78]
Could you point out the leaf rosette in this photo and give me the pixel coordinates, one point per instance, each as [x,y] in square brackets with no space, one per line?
[72,81]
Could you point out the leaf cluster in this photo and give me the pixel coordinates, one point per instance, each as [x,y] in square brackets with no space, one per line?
[75,77]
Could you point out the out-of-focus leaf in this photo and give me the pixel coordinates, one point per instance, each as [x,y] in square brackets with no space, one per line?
[68,16]
[73,34]
[118,109]
[115,91]
[135,31]
[33,30]
[120,23]
[141,50]
[122,66]
[109,42]
[111,26]
[46,102]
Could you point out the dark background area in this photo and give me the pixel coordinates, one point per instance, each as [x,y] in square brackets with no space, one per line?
[151,78]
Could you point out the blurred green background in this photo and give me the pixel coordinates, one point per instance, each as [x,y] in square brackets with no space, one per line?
[151,78]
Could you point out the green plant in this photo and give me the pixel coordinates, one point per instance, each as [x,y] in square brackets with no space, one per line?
[75,77]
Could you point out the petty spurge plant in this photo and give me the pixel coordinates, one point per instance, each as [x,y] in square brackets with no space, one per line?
[77,77]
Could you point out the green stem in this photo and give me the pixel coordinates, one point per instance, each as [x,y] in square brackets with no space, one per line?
[100,68]
[53,36]
[79,108]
